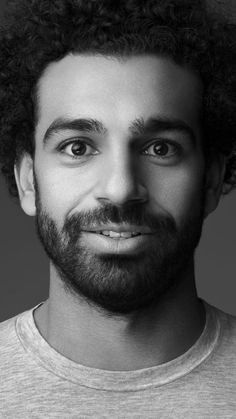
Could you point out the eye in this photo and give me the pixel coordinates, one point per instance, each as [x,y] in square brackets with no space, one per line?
[77,149]
[163,149]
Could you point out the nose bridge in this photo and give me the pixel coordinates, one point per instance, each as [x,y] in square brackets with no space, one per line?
[121,180]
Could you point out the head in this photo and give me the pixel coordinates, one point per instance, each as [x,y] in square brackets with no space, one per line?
[119,118]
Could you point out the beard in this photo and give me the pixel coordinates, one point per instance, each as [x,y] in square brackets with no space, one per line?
[120,284]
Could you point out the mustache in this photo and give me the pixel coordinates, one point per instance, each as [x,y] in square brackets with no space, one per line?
[110,214]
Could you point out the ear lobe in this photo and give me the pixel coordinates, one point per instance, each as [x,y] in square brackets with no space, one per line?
[214,182]
[24,176]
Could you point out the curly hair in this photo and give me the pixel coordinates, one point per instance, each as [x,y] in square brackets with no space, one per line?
[37,32]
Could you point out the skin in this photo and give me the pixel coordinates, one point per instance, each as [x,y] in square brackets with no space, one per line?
[117,92]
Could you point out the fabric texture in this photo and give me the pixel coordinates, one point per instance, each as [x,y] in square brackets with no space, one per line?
[38,382]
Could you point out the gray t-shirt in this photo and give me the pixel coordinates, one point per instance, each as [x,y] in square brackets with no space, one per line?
[38,382]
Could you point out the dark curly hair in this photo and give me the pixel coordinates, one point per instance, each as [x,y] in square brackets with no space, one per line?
[37,32]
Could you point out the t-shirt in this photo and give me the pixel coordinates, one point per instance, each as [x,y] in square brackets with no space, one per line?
[38,382]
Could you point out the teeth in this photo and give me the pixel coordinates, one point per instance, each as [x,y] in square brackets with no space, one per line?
[105,233]
[128,234]
[114,234]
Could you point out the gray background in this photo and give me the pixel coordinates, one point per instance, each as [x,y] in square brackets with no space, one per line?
[24,266]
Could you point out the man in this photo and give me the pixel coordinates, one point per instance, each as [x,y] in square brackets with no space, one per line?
[118,136]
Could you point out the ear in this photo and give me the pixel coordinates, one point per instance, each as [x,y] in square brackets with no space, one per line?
[215,172]
[24,176]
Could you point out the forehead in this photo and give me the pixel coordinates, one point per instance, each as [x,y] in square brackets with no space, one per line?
[118,91]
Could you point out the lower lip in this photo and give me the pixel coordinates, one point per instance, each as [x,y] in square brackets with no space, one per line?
[121,246]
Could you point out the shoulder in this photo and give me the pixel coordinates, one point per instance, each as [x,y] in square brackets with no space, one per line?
[10,341]
[7,330]
[228,324]
[226,347]
[10,346]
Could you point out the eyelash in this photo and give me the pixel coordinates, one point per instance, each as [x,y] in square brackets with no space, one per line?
[62,147]
[177,147]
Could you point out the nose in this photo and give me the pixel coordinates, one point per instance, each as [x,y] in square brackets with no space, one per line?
[120,182]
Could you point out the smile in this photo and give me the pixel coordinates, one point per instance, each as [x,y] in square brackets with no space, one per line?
[117,235]
[120,243]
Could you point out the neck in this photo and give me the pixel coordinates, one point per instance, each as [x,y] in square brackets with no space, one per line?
[143,339]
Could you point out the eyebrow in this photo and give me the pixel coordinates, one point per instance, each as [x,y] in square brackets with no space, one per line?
[79,124]
[138,127]
[159,124]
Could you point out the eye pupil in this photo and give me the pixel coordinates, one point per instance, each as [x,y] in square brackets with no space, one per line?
[161,148]
[78,148]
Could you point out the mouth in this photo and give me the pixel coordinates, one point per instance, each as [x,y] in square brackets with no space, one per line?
[119,231]
[117,235]
[117,239]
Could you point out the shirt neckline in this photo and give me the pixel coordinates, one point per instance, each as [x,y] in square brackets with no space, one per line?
[46,356]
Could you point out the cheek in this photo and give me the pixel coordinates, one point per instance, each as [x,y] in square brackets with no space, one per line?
[63,189]
[178,191]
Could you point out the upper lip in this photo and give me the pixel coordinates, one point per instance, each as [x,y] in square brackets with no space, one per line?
[121,228]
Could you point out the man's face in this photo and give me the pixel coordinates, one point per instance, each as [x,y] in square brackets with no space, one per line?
[118,151]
